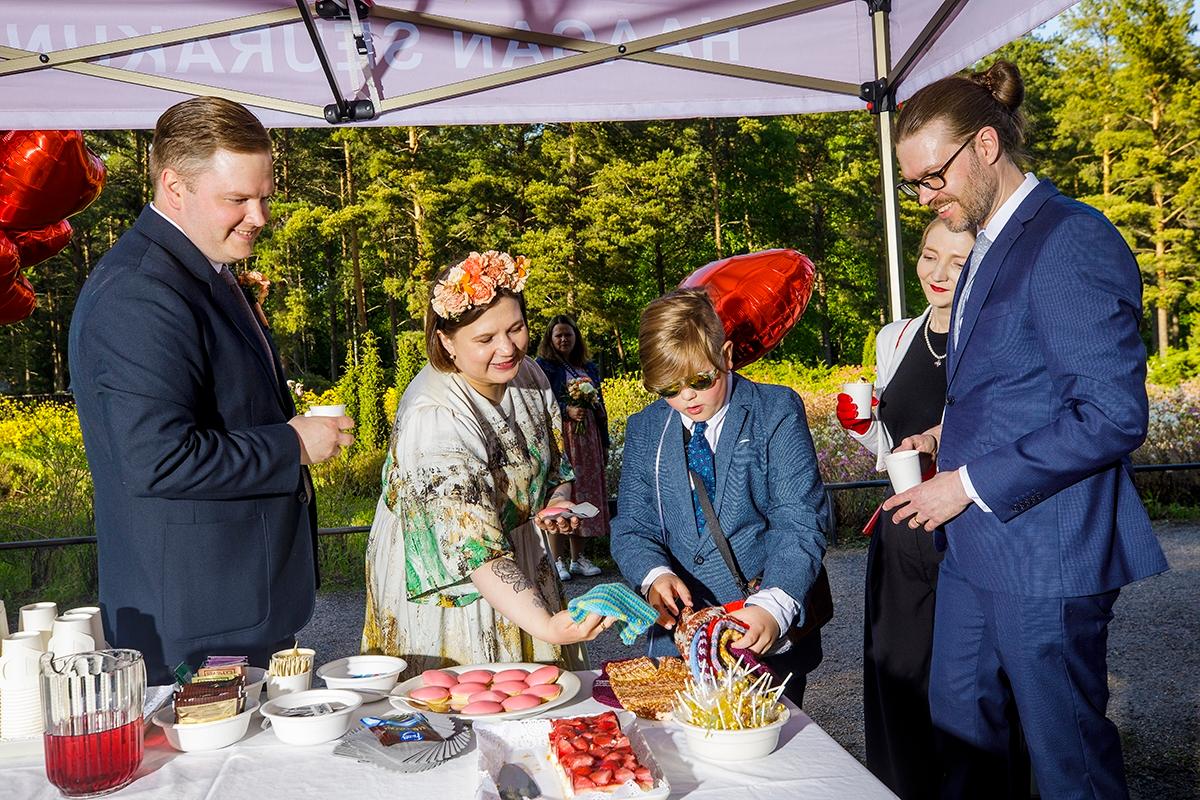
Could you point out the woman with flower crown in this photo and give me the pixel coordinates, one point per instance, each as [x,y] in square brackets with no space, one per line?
[457,570]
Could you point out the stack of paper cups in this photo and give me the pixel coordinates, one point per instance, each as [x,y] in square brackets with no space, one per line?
[97,625]
[39,617]
[20,688]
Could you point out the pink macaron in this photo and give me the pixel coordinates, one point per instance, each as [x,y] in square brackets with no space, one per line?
[510,687]
[463,691]
[545,691]
[437,677]
[476,676]
[511,675]
[521,702]
[488,696]
[483,707]
[430,694]
[547,674]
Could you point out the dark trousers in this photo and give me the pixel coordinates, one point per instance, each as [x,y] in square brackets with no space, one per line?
[1049,655]
[801,659]
[901,589]
[904,749]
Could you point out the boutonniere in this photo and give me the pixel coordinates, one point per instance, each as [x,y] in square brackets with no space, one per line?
[256,287]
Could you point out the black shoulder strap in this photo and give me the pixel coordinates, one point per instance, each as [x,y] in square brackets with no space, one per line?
[714,525]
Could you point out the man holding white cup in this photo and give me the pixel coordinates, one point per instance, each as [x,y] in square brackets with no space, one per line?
[204,505]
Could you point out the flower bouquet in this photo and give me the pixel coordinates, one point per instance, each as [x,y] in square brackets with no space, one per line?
[582,393]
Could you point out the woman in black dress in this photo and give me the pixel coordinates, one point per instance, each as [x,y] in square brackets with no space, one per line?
[902,564]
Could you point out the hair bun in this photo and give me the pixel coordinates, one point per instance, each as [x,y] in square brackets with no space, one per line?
[1003,80]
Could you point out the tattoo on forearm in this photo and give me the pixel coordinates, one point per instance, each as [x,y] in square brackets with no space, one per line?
[508,572]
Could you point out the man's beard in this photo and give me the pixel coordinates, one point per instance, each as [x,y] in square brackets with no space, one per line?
[977,199]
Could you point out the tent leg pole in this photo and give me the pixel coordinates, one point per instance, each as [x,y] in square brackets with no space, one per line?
[891,217]
[884,104]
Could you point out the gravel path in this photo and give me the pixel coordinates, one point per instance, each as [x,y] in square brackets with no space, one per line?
[1154,661]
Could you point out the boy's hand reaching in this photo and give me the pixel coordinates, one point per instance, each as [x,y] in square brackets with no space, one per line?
[669,595]
[763,632]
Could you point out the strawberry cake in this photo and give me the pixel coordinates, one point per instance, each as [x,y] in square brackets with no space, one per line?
[592,754]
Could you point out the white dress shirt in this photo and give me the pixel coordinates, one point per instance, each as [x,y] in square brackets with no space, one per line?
[992,231]
[775,601]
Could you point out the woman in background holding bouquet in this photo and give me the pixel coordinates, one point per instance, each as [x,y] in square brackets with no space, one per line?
[575,380]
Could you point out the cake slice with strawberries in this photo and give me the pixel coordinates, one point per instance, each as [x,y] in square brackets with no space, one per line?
[592,754]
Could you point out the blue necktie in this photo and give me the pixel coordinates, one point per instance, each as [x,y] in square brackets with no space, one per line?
[982,245]
[700,461]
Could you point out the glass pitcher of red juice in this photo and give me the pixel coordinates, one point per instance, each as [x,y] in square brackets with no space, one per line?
[93,710]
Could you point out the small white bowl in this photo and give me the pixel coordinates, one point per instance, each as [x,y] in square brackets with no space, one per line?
[203,735]
[373,673]
[312,730]
[734,745]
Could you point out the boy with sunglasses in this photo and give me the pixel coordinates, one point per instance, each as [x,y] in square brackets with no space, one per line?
[749,446]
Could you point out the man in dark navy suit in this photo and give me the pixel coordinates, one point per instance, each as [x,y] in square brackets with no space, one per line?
[204,507]
[1045,401]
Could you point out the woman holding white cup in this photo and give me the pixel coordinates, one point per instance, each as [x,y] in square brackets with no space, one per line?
[902,563]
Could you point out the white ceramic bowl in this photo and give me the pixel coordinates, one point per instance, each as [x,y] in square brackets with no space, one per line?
[255,678]
[203,735]
[734,745]
[374,673]
[312,730]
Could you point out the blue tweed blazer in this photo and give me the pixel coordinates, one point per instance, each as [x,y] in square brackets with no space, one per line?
[1046,399]
[770,499]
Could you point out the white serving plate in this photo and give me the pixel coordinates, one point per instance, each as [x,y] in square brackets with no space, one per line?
[569,682]
[527,742]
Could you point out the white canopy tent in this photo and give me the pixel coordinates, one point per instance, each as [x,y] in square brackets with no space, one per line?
[86,64]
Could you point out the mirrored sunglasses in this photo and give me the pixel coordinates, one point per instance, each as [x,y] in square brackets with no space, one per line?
[700,382]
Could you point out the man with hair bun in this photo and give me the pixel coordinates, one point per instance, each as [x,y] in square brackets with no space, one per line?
[204,507]
[1045,401]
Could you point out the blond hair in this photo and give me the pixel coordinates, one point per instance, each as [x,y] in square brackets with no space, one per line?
[188,134]
[680,334]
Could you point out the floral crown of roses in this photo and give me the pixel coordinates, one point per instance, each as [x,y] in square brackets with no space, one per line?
[475,280]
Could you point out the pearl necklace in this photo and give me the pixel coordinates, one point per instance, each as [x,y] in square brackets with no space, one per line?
[937,359]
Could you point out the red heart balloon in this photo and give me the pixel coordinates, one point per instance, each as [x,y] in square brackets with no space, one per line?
[758,296]
[46,176]
[10,261]
[36,246]
[17,301]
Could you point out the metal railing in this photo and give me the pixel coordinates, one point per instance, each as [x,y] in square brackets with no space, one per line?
[830,488]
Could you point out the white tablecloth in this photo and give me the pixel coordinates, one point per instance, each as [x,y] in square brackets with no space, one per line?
[808,764]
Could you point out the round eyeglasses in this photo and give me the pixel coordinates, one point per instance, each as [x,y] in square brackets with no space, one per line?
[934,180]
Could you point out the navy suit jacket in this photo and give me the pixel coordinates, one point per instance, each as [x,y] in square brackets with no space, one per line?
[1045,400]
[770,499]
[204,515]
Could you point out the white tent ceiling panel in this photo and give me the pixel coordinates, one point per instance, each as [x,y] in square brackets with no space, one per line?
[448,61]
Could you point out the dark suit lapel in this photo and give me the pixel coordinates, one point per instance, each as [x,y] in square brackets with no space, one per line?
[989,268]
[731,433]
[171,239]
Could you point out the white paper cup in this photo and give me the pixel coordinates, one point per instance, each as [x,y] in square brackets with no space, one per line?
[38,616]
[72,623]
[860,393]
[97,631]
[338,410]
[23,641]
[904,469]
[278,686]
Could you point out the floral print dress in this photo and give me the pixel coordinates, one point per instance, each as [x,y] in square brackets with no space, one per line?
[461,481]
